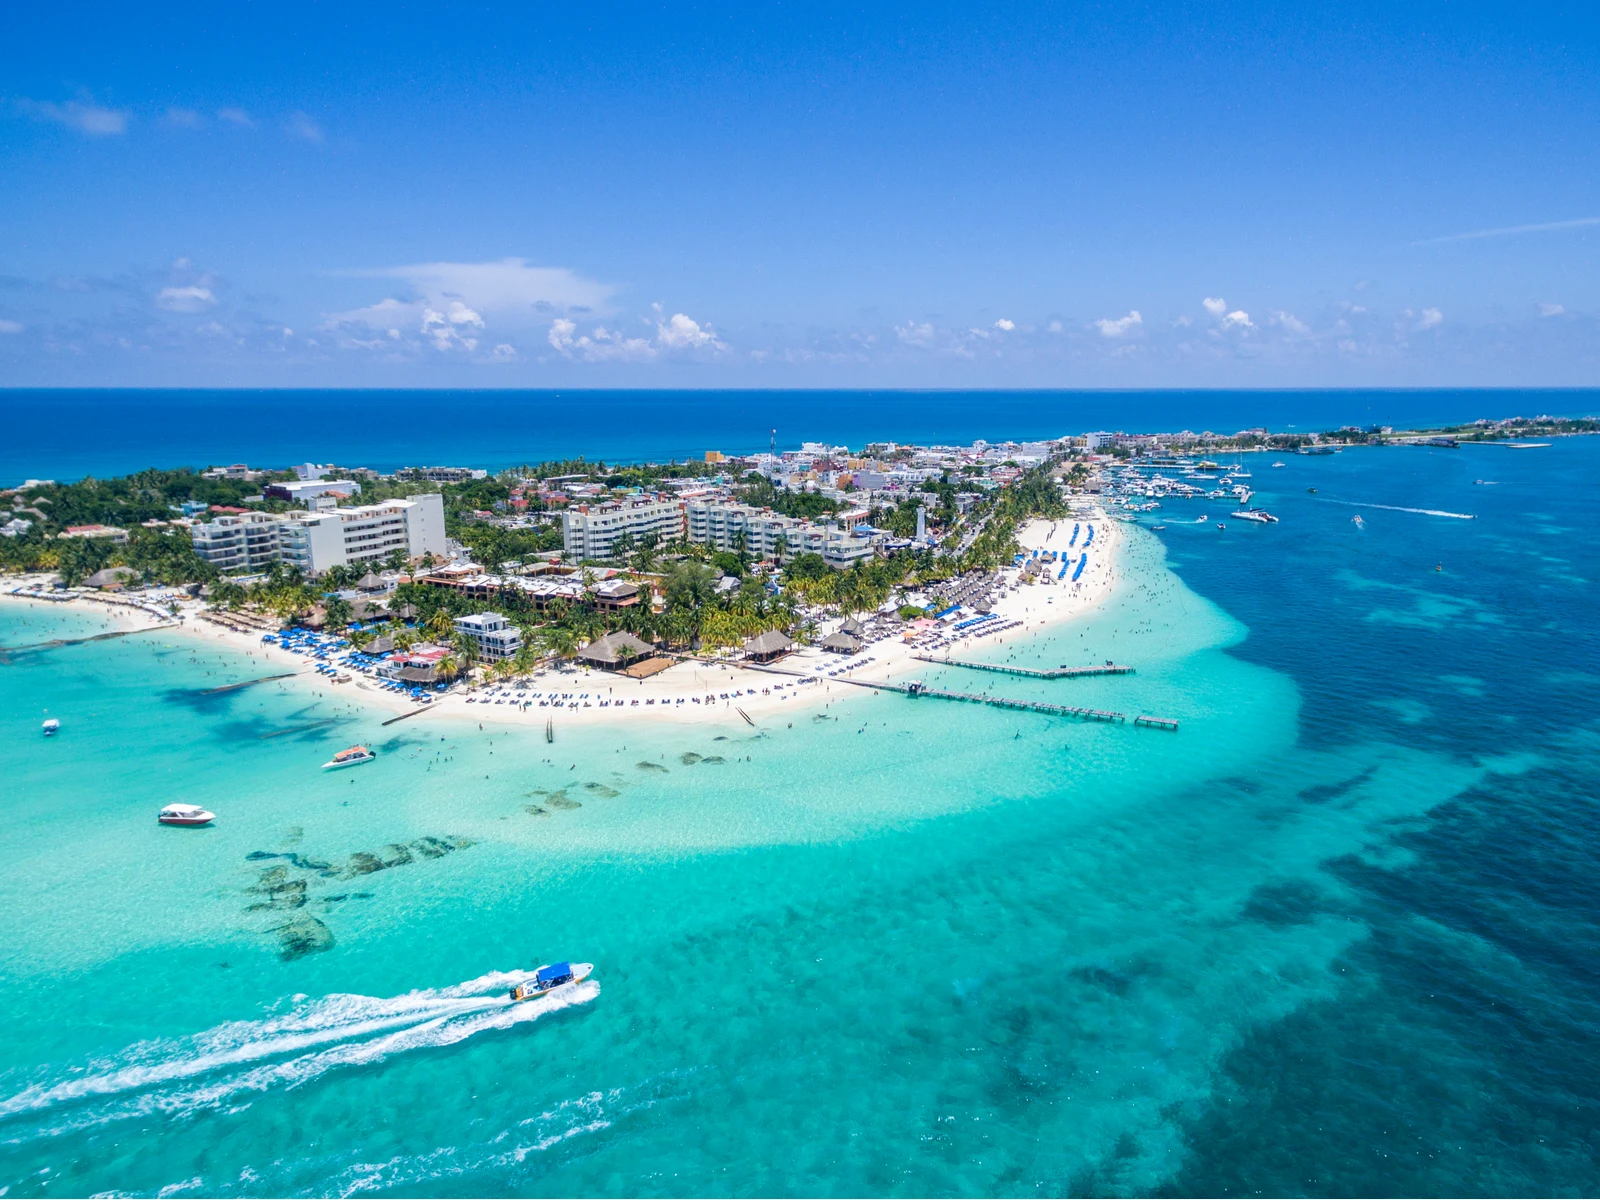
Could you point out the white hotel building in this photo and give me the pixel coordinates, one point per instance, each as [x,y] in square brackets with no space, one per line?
[592,530]
[765,534]
[315,541]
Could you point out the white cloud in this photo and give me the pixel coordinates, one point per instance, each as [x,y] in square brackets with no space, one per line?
[1551,310]
[1215,305]
[1238,318]
[1055,326]
[303,126]
[682,333]
[10,326]
[84,116]
[603,346]
[185,299]
[186,118]
[1430,318]
[913,334]
[236,116]
[1121,326]
[503,353]
[1290,322]
[1006,324]
[509,286]
[1512,230]
[444,329]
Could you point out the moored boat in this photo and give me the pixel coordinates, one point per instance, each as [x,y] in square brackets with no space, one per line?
[353,757]
[185,814]
[550,977]
[51,726]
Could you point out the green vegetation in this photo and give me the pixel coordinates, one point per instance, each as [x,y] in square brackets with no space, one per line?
[760,491]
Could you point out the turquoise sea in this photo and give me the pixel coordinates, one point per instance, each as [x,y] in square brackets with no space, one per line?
[1337,935]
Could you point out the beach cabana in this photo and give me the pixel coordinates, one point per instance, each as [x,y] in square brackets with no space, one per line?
[614,651]
[768,646]
[851,626]
[370,583]
[112,579]
[840,642]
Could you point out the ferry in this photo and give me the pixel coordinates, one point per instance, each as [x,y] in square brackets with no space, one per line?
[185,814]
[1256,515]
[51,727]
[352,757]
[549,977]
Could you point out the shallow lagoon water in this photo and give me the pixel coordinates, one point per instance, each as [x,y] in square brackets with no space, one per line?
[1306,944]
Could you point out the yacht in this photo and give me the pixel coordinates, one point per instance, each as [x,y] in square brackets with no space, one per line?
[1256,515]
[352,757]
[547,978]
[51,726]
[185,814]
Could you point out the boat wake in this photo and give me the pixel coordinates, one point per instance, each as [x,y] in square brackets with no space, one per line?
[175,1077]
[1427,512]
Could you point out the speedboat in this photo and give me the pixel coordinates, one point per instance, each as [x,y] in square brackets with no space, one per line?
[51,726]
[1277,464]
[1220,525]
[352,757]
[1260,518]
[185,814]
[548,978]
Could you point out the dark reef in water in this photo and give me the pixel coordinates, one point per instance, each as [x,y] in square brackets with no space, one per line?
[301,936]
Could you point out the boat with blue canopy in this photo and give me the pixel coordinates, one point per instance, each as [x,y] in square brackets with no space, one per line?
[550,977]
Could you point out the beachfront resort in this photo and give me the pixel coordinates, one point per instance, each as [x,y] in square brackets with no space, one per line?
[688,587]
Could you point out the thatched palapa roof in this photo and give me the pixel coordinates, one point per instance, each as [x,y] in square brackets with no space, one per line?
[614,649]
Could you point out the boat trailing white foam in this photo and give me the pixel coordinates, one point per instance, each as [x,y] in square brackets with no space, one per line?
[234,1059]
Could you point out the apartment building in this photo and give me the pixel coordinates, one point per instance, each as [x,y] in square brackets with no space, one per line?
[495,637]
[315,541]
[765,534]
[235,541]
[305,490]
[593,530]
[338,537]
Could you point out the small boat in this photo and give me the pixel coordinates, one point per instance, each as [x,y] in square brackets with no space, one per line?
[1221,525]
[548,978]
[1277,464]
[185,814]
[1358,522]
[1312,490]
[1158,528]
[51,727]
[352,757]
[1200,520]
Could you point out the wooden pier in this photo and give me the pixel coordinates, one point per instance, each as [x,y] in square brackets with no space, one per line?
[1156,723]
[1030,672]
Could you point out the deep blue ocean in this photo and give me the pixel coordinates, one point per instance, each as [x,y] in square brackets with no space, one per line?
[66,434]
[1339,935]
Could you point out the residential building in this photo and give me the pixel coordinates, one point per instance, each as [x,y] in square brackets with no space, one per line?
[593,530]
[302,490]
[442,474]
[109,532]
[495,637]
[315,541]
[235,541]
[15,527]
[761,533]
[236,471]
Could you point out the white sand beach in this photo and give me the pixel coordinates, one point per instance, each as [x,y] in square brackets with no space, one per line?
[707,689]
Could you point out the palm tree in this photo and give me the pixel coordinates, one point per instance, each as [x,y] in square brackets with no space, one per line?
[559,640]
[440,627]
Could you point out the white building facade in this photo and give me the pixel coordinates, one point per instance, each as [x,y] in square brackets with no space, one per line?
[315,541]
[495,637]
[764,534]
[593,530]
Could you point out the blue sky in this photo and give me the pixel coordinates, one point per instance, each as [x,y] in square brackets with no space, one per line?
[800,195]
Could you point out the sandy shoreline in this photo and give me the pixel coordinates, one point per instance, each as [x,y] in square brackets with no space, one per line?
[694,691]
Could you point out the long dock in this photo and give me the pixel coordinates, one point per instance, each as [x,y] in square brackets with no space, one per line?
[1030,672]
[233,687]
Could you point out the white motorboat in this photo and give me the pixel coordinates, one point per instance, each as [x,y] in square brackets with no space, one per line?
[51,727]
[185,814]
[353,757]
[550,977]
